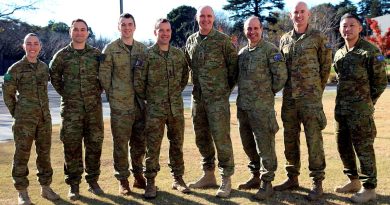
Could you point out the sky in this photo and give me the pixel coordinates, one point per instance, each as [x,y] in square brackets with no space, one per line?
[102,15]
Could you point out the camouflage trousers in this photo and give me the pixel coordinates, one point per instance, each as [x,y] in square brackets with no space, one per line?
[78,126]
[356,133]
[257,132]
[25,131]
[212,127]
[310,113]
[154,132]
[127,130]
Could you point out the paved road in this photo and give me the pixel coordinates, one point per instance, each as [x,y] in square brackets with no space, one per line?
[54,104]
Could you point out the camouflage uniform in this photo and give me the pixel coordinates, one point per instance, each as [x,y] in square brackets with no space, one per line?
[362,79]
[127,117]
[161,83]
[308,60]
[32,120]
[213,61]
[262,73]
[74,75]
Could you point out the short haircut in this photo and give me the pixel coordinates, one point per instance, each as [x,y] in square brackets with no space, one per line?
[29,35]
[160,21]
[127,16]
[202,7]
[352,16]
[79,20]
[250,18]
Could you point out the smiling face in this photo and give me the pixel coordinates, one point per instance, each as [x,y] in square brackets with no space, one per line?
[300,15]
[163,33]
[127,27]
[79,32]
[32,47]
[253,30]
[350,29]
[205,18]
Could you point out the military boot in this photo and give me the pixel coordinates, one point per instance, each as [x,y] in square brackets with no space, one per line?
[139,181]
[48,193]
[180,185]
[74,193]
[351,186]
[23,198]
[364,195]
[151,189]
[206,180]
[225,188]
[94,188]
[124,187]
[265,191]
[252,183]
[316,191]
[289,183]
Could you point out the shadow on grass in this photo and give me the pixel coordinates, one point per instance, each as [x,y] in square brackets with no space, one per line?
[118,199]
[164,197]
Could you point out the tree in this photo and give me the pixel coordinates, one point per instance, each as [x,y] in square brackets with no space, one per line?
[383,42]
[324,18]
[242,9]
[374,8]
[6,10]
[183,24]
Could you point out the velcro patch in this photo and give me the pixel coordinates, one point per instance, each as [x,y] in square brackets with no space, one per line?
[7,77]
[139,63]
[380,58]
[102,57]
[277,57]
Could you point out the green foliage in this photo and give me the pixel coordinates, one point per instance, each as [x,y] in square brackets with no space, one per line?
[242,9]
[183,24]
[374,8]
[58,27]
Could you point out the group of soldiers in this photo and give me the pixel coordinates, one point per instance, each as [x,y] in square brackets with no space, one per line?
[144,85]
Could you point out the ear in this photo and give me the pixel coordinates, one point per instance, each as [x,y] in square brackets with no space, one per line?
[155,32]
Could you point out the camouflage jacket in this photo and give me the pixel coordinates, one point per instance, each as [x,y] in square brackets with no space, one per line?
[117,70]
[213,63]
[361,78]
[262,73]
[308,60]
[74,75]
[162,80]
[30,82]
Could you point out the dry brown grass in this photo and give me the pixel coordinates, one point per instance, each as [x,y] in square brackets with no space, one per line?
[334,174]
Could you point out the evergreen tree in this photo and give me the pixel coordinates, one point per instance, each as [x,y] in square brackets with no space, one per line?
[244,8]
[183,24]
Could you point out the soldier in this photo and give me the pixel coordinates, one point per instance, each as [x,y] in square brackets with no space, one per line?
[120,57]
[308,58]
[213,61]
[25,94]
[160,83]
[74,75]
[262,73]
[361,75]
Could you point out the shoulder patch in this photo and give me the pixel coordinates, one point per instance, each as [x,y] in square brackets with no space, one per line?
[380,58]
[277,57]
[7,77]
[328,45]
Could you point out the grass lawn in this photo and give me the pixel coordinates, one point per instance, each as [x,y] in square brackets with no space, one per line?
[166,195]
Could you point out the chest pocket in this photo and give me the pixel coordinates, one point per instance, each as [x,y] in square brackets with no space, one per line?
[354,67]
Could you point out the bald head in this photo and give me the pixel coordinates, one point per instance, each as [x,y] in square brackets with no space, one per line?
[205,17]
[300,16]
[300,4]
[204,9]
[253,19]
